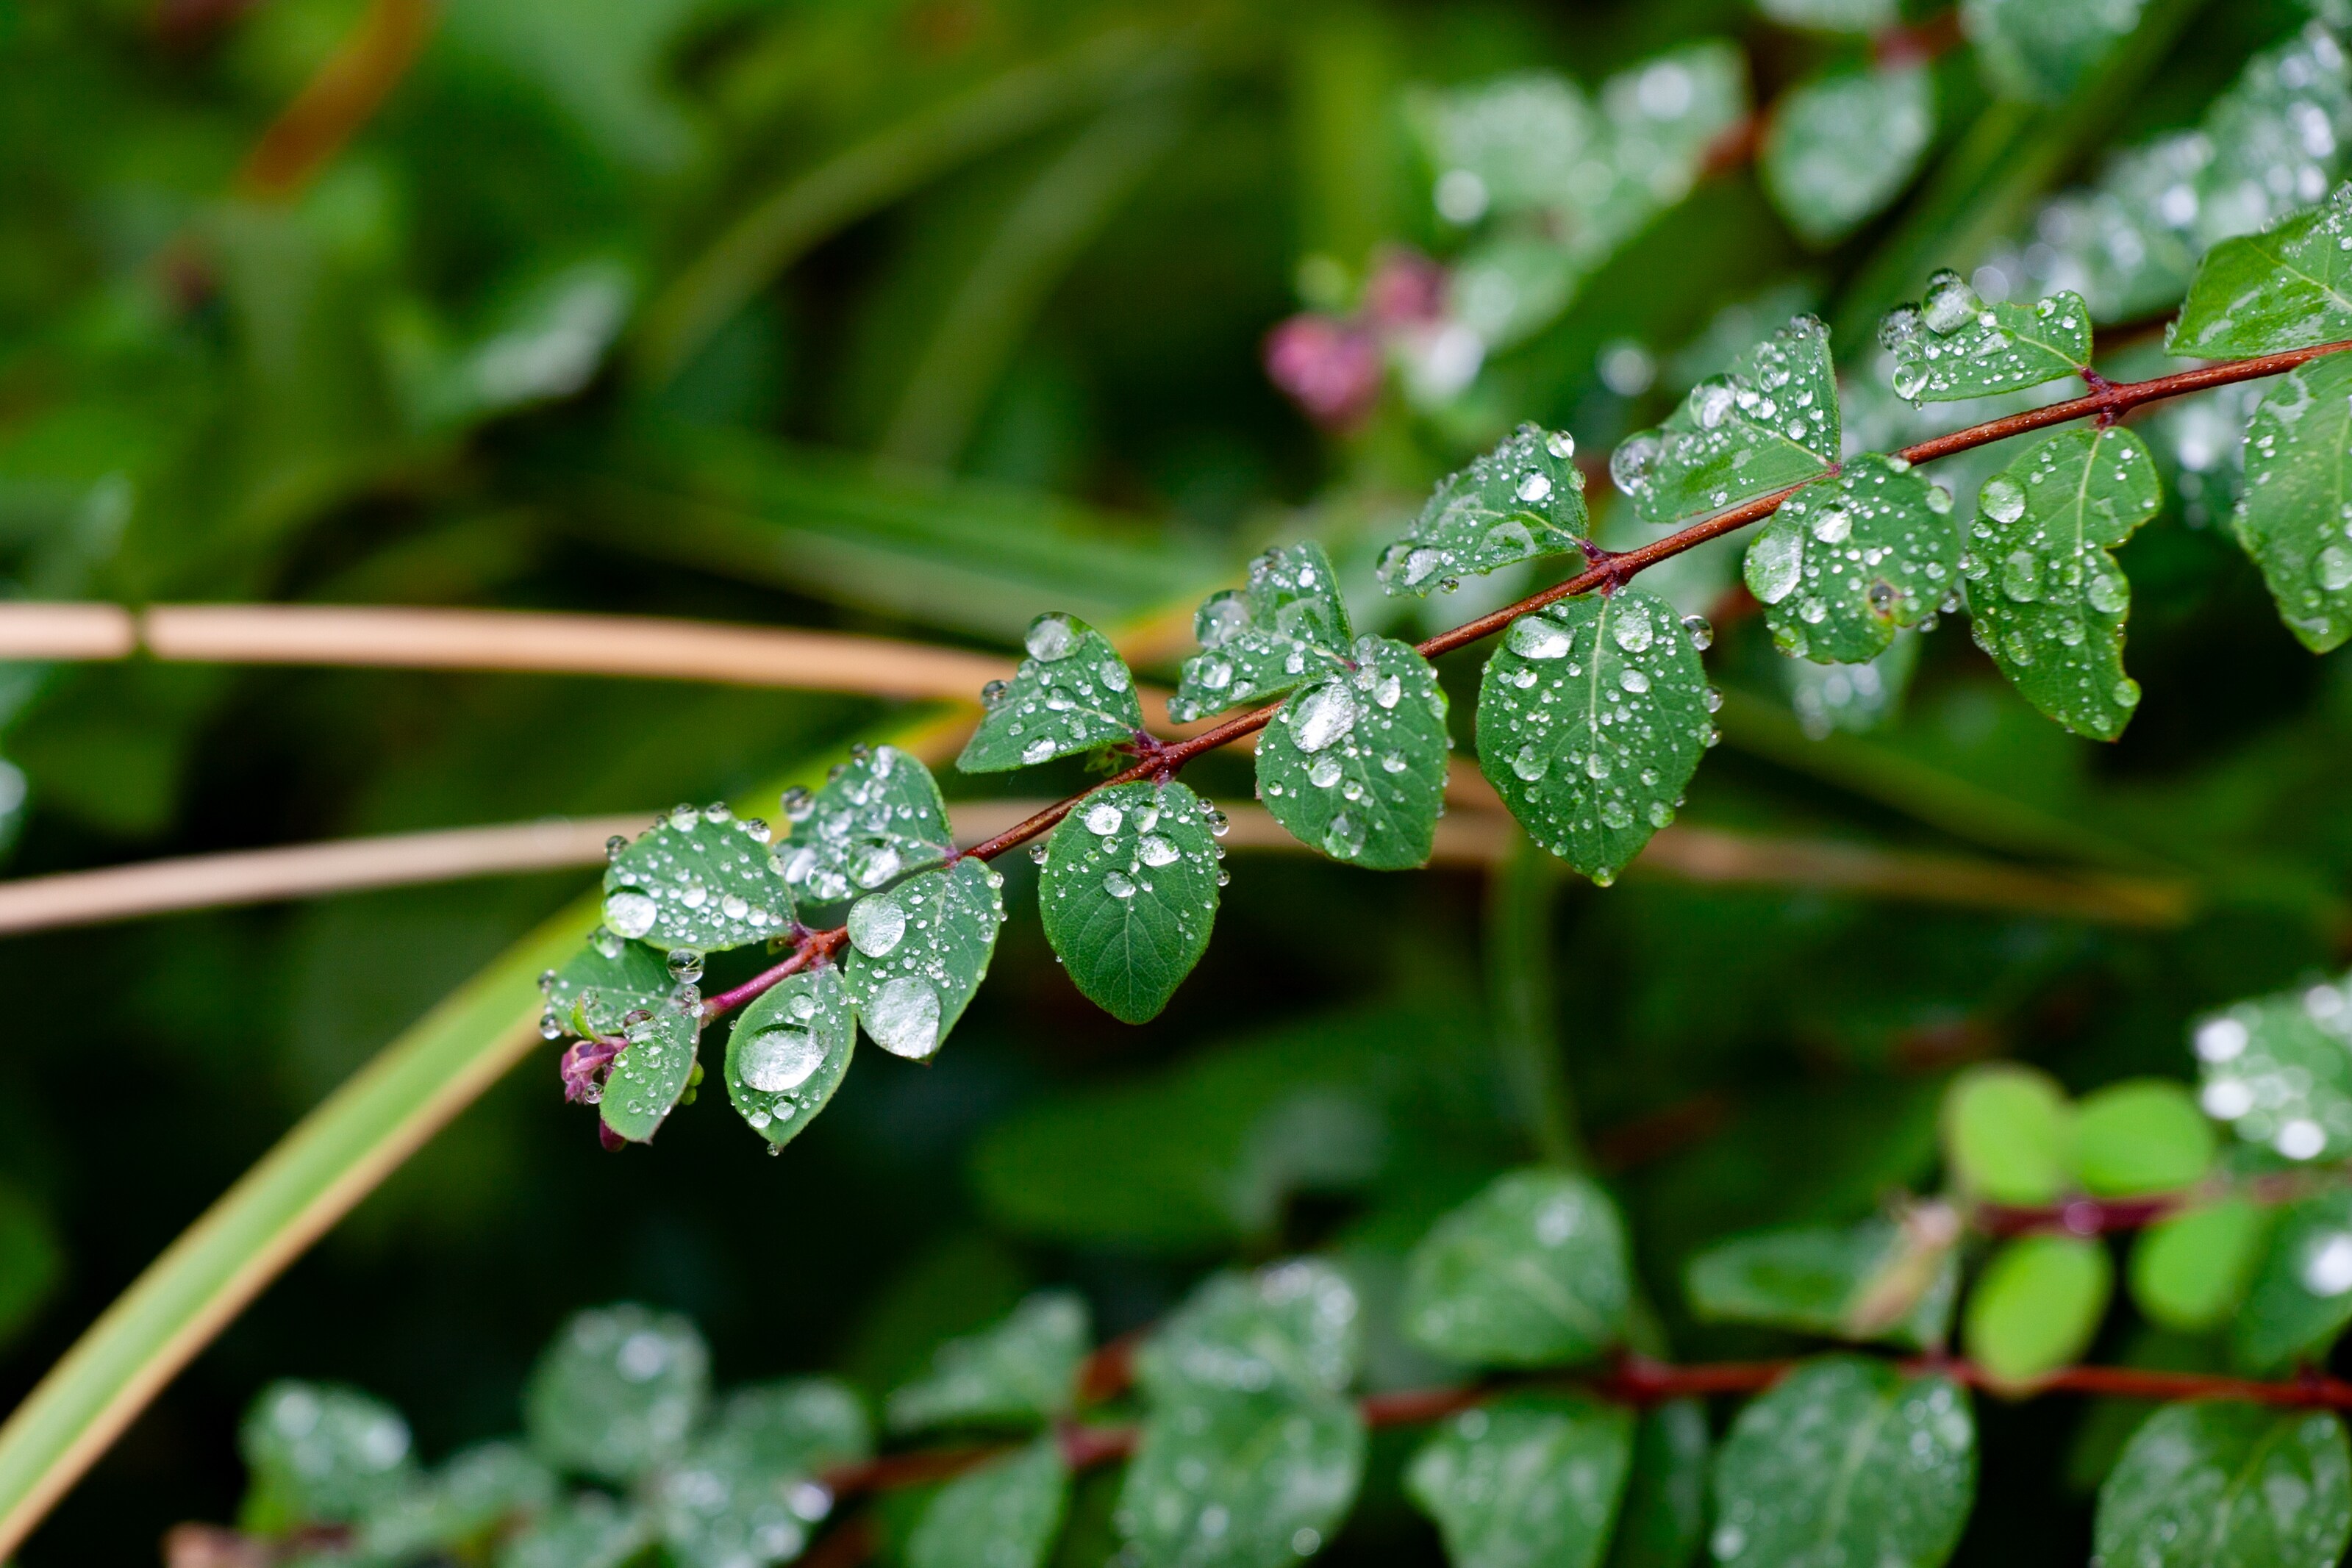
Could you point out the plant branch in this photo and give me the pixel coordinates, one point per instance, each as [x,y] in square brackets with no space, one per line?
[344,95]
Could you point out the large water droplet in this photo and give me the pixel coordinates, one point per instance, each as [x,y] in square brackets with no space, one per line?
[877,925]
[1537,637]
[776,1059]
[1118,884]
[1775,562]
[2020,575]
[1222,617]
[1051,636]
[1344,839]
[1951,303]
[1157,850]
[903,1018]
[1324,716]
[2333,568]
[1632,631]
[1102,819]
[630,912]
[2002,498]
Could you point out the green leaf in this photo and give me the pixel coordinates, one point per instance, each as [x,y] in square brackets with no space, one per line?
[588,1530]
[2289,287]
[1005,1514]
[1022,1370]
[746,1495]
[1846,562]
[1505,146]
[652,1073]
[2279,1070]
[2219,1484]
[2295,507]
[2047,600]
[1356,765]
[1290,1325]
[1770,423]
[1864,16]
[1129,894]
[1877,1280]
[1531,1272]
[879,817]
[789,1051]
[797,1427]
[1522,500]
[2141,1136]
[474,1491]
[2300,1297]
[31,1262]
[919,950]
[1529,1481]
[1287,627]
[1952,345]
[1662,1519]
[1249,1480]
[605,980]
[1847,1460]
[2190,1271]
[2036,1306]
[1072,694]
[1592,717]
[617,1392]
[319,1454]
[2039,50]
[1843,143]
[696,879]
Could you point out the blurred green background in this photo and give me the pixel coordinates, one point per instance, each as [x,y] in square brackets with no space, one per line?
[919,318]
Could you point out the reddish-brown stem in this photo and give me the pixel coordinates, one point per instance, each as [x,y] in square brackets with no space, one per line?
[2097,1217]
[811,946]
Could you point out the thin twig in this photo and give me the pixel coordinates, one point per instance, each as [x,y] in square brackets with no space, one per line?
[342,96]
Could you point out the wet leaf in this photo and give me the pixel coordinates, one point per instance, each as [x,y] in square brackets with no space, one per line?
[1843,143]
[1005,1514]
[2045,598]
[1952,345]
[1833,15]
[1287,627]
[2040,50]
[1662,1519]
[1020,1372]
[1129,892]
[1355,766]
[320,1454]
[918,951]
[1252,1480]
[797,1427]
[654,1067]
[1877,1280]
[696,879]
[2140,1136]
[1847,1460]
[588,1530]
[1289,1325]
[2218,1484]
[746,1495]
[1592,717]
[879,817]
[607,979]
[1846,562]
[617,1392]
[2008,1134]
[2294,512]
[1522,500]
[2036,1306]
[789,1051]
[2190,1271]
[2278,1071]
[1530,1479]
[1531,1272]
[2300,1297]
[473,1491]
[2289,287]
[1769,423]
[1073,693]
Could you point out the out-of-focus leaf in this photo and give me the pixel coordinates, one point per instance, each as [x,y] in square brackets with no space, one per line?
[2046,600]
[2140,1136]
[2296,502]
[1847,562]
[321,1455]
[30,1262]
[1005,1514]
[1877,1280]
[471,1492]
[547,342]
[2009,1134]
[654,1070]
[2289,287]
[1020,1371]
[1129,892]
[698,879]
[789,1051]
[1356,765]
[2041,49]
[1833,15]
[794,1428]
[587,1531]
[880,814]
[2278,1071]
[745,1496]
[1073,693]
[2300,1297]
[1287,627]
[1847,1460]
[1662,1521]
[1843,144]
[1952,345]
[617,1392]
[1769,423]
[2190,1271]
[1531,1272]
[1291,1325]
[919,950]
[2223,1485]
[2035,1307]
[1591,718]
[1530,1479]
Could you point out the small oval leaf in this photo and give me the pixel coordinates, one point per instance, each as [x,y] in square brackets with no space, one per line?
[879,817]
[617,1392]
[1355,764]
[1770,423]
[918,951]
[2219,1484]
[1129,892]
[2289,287]
[1529,1479]
[1522,500]
[1073,693]
[789,1051]
[698,879]
[1531,1272]
[1847,562]
[1287,627]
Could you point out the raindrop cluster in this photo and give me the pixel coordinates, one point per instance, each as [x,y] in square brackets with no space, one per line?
[1952,345]
[1522,500]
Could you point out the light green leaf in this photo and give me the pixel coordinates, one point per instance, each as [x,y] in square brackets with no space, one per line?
[1770,423]
[1522,500]
[1531,1272]
[1843,143]
[1356,765]
[696,879]
[1504,146]
[652,1073]
[1592,717]
[1952,345]
[1005,1514]
[1847,1460]
[2046,600]
[1289,1325]
[1224,1478]
[2300,1297]
[1073,693]
[919,950]
[1287,627]
[2040,49]
[2289,287]
[1505,288]
[607,980]
[2278,1069]
[588,1530]
[1530,1481]
[617,1392]
[2008,1134]
[2190,1271]
[1846,562]
[1864,16]
[879,817]
[789,1051]
[1022,1370]
[474,1491]
[2036,1306]
[319,1454]
[1662,1519]
[747,1496]
[796,1426]
[1877,1280]
[2218,1484]
[2295,513]
[2141,1136]
[1129,894]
